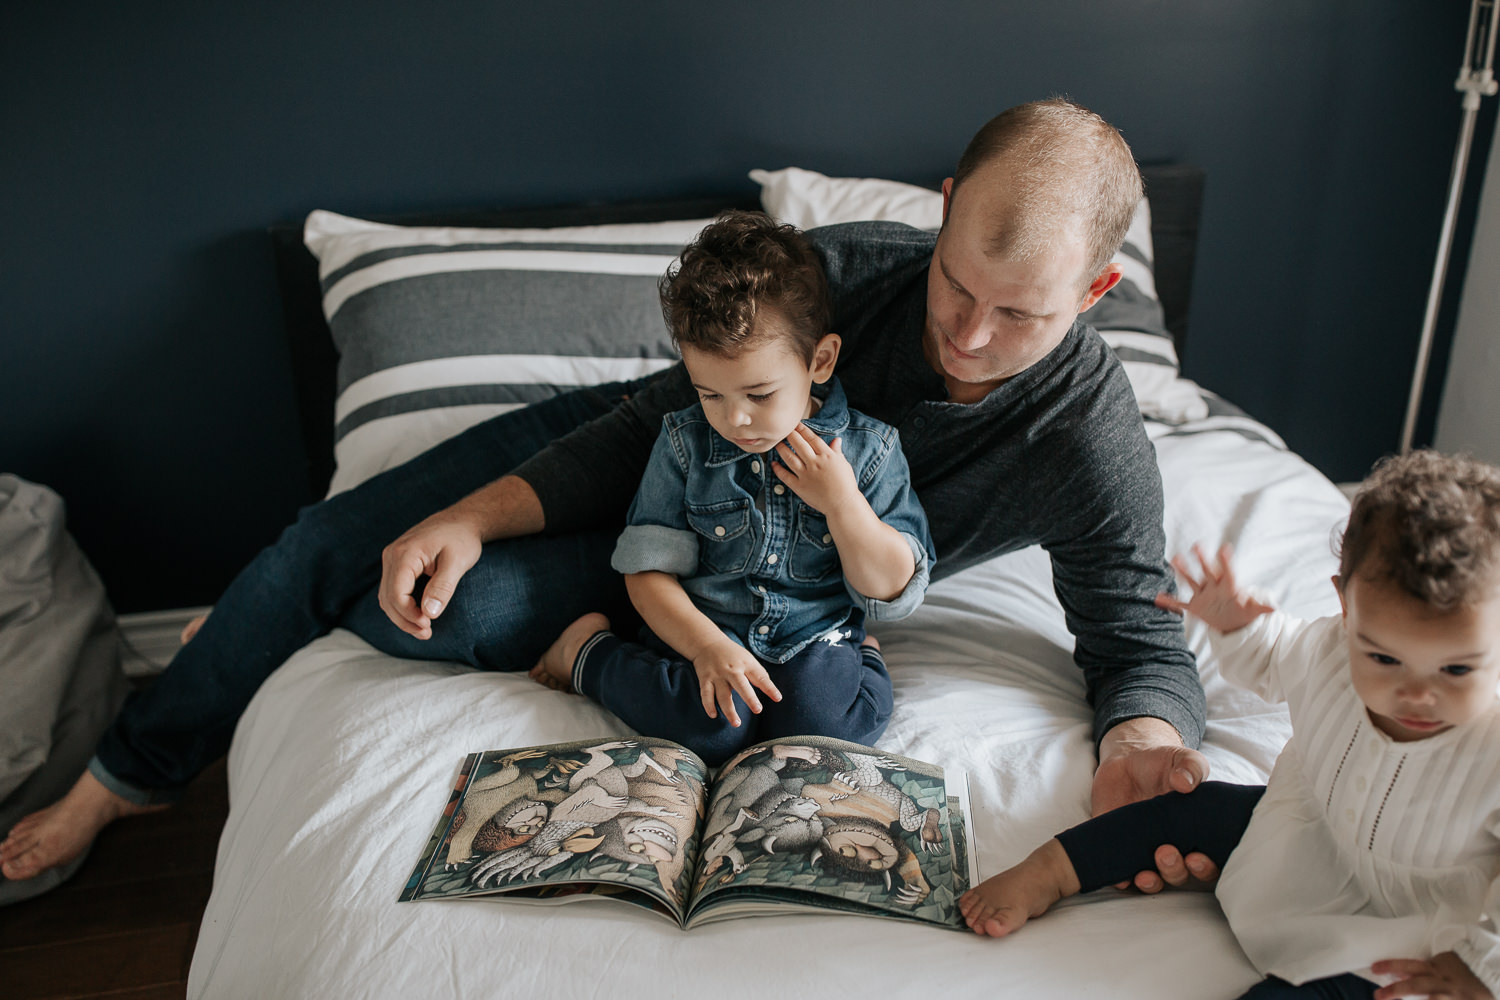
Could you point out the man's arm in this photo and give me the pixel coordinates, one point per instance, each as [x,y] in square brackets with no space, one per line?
[584,478]
[1149,707]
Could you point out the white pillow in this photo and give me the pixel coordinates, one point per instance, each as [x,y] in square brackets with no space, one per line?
[1128,318]
[807,199]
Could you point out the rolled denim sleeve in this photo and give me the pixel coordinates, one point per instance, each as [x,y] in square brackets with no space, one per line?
[886,484]
[657,536]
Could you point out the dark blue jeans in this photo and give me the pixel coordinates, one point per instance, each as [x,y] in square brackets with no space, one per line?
[837,689]
[324,570]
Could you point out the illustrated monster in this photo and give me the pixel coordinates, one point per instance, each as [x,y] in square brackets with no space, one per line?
[597,792]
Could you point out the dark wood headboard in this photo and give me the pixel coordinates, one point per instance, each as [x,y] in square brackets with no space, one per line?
[1176,194]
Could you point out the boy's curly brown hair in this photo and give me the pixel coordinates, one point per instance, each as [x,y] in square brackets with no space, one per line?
[1430,524]
[739,264]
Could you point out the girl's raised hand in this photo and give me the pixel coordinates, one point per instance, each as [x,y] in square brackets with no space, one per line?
[1217,599]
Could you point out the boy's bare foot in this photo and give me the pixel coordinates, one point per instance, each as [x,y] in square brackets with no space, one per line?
[555,668]
[869,640]
[1002,903]
[61,832]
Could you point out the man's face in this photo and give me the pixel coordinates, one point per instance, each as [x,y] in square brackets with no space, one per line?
[989,318]
[1419,671]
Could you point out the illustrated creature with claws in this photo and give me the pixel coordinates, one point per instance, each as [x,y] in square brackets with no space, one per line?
[503,809]
[755,806]
[597,792]
[658,822]
[861,811]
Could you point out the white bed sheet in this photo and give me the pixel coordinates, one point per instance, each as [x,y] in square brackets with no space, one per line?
[344,759]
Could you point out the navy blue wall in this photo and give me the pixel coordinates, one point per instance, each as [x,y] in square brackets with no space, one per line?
[143,148]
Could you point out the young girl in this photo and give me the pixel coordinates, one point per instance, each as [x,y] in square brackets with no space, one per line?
[770,521]
[1372,853]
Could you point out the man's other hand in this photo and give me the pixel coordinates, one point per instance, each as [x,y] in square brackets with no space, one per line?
[442,548]
[1142,758]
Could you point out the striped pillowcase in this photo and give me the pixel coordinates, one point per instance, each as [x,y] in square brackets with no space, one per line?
[1129,317]
[440,328]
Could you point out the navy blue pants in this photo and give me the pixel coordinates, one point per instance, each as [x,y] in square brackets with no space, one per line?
[838,689]
[1210,820]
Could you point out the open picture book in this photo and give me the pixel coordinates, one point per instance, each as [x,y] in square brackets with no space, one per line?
[795,825]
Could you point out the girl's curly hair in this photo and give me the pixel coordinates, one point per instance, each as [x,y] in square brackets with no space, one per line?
[1430,524]
[739,264]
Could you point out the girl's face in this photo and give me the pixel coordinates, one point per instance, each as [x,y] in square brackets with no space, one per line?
[1419,671]
[755,399]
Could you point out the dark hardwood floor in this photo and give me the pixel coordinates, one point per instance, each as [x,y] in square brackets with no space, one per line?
[124,926]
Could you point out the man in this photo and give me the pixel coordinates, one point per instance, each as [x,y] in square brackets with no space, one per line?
[1018,425]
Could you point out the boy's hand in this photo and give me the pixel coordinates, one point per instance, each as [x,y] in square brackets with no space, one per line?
[1444,976]
[726,669]
[1217,600]
[816,471]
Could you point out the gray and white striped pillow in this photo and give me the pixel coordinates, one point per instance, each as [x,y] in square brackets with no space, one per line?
[440,328]
[1129,317]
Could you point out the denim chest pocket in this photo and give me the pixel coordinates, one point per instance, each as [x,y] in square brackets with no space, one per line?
[814,557]
[724,536]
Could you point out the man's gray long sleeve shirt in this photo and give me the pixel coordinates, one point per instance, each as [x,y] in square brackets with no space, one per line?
[1057,456]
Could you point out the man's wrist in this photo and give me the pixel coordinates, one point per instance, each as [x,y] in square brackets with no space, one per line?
[1139,733]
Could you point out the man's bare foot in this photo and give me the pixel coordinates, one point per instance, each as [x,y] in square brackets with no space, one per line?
[191,628]
[61,832]
[555,668]
[1002,903]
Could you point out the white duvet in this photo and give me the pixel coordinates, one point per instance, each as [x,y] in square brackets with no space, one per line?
[344,760]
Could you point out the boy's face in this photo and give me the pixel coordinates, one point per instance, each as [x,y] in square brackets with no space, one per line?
[1420,671]
[756,399]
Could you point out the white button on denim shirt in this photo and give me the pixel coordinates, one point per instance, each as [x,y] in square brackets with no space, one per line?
[751,555]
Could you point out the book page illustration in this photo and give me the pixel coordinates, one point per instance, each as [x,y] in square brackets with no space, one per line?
[836,820]
[622,812]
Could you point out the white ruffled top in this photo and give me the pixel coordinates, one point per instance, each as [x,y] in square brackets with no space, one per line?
[1363,848]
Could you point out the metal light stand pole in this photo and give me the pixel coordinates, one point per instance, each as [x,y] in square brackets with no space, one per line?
[1476,78]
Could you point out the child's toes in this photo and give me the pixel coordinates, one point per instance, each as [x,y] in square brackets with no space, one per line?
[1003,920]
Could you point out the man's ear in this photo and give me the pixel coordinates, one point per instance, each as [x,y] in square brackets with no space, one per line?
[825,356]
[947,198]
[1107,279]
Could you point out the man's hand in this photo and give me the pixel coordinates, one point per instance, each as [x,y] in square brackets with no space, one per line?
[443,547]
[726,668]
[1442,977]
[816,471]
[1142,758]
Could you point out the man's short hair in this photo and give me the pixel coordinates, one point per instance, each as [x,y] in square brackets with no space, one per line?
[1430,524]
[1067,167]
[739,264]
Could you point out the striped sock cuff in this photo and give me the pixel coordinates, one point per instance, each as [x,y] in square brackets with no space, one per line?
[582,657]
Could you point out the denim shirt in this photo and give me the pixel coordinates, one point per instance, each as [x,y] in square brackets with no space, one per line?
[753,557]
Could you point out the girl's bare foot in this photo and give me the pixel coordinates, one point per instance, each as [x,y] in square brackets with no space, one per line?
[555,668]
[1002,903]
[61,832]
